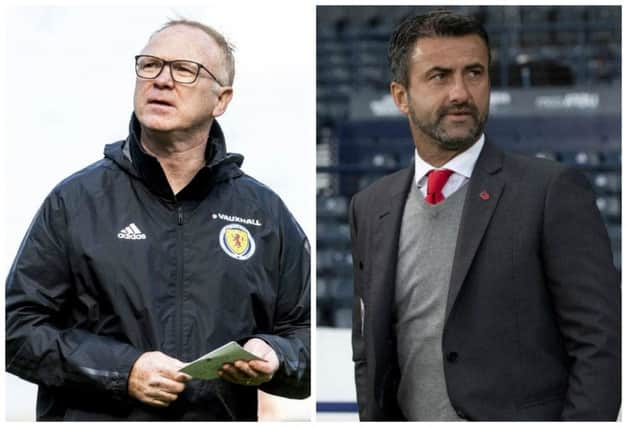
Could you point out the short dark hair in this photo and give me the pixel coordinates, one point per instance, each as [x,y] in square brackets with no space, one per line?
[223,43]
[438,23]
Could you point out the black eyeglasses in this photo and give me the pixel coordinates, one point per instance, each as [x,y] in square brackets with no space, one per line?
[181,70]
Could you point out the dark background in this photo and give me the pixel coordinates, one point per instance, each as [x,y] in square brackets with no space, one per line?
[555,93]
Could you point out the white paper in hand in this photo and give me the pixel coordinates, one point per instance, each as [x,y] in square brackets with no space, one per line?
[206,367]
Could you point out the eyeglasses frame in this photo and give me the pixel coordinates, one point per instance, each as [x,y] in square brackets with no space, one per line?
[164,63]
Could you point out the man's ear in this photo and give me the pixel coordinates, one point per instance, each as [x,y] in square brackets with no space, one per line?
[224,98]
[399,95]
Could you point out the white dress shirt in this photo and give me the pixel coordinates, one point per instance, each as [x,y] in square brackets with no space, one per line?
[462,166]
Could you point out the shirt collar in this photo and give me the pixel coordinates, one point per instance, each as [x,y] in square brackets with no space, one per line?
[462,164]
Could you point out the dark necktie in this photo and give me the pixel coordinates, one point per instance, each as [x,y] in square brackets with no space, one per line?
[436,179]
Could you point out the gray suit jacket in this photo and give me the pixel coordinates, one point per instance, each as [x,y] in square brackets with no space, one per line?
[532,320]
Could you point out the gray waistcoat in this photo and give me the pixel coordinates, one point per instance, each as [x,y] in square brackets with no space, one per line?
[425,258]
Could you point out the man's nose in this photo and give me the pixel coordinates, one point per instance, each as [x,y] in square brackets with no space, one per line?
[458,92]
[164,79]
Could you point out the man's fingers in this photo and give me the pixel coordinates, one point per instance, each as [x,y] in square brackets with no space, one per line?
[229,376]
[245,374]
[177,376]
[161,395]
[164,396]
[245,369]
[157,403]
[155,380]
[182,377]
[235,374]
[167,385]
[159,398]
[261,367]
[174,374]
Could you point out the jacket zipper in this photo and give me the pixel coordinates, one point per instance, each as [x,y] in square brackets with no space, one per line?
[179,283]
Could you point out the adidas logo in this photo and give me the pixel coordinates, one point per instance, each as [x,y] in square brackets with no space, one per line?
[131,233]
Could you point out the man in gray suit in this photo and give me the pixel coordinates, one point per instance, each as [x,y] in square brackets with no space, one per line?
[484,283]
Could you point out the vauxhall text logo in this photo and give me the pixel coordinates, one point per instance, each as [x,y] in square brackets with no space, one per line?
[132,232]
[233,218]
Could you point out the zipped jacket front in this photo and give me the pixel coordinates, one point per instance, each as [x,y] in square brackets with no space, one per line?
[115,265]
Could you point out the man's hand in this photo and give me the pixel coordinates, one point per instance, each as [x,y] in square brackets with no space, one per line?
[254,372]
[155,380]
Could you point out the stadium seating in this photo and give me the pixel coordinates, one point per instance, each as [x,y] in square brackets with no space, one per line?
[534,48]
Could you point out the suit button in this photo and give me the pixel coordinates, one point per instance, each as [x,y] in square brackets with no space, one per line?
[452,356]
[461,415]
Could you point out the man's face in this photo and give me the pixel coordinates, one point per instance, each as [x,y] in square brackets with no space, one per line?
[447,100]
[161,104]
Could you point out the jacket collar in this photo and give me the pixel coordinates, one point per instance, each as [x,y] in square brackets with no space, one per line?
[220,165]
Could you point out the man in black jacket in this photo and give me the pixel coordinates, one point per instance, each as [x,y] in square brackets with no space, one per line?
[484,283]
[157,254]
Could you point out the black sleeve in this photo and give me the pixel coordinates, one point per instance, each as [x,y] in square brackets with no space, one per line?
[42,344]
[359,356]
[585,288]
[291,335]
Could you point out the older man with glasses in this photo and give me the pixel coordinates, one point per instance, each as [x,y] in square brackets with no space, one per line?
[157,254]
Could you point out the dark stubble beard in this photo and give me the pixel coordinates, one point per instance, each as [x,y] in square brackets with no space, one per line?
[438,133]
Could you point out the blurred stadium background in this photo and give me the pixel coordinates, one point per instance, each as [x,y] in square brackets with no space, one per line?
[555,93]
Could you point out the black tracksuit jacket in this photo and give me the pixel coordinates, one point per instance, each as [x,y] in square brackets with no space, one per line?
[115,265]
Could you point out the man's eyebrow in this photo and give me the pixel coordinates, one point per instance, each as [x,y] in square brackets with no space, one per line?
[474,65]
[438,69]
[446,70]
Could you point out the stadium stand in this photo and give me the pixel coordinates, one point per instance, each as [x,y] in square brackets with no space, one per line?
[555,94]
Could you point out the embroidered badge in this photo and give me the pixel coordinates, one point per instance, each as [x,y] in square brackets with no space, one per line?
[237,241]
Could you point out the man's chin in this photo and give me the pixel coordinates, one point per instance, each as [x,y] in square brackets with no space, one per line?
[455,137]
[157,124]
[457,142]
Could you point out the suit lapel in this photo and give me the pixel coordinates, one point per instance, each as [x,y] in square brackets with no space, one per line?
[484,191]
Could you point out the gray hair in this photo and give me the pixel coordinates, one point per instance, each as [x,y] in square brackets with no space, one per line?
[226,47]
